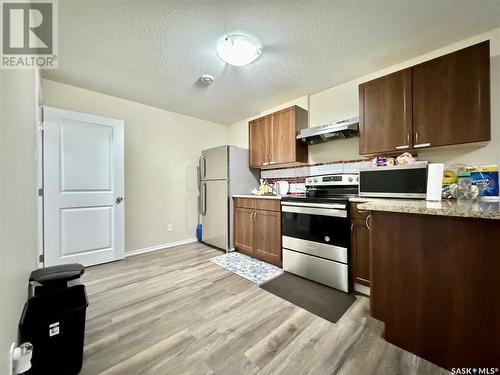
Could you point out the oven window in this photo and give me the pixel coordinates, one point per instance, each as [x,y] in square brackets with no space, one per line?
[316,228]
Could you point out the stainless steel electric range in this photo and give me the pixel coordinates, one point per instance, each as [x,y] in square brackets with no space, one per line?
[315,230]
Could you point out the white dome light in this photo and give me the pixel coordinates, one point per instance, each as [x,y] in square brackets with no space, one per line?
[238,50]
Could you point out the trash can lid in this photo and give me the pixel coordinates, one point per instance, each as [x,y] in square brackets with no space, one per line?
[64,272]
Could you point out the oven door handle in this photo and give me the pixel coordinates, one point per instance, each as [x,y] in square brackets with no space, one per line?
[315,211]
[315,205]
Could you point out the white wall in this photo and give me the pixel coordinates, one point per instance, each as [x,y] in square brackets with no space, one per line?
[161,158]
[18,233]
[341,102]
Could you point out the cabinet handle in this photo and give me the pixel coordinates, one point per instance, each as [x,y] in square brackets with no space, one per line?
[265,163]
[352,227]
[421,145]
[366,222]
[407,145]
[272,162]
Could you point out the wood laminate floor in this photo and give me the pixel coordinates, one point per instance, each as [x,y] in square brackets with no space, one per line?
[174,312]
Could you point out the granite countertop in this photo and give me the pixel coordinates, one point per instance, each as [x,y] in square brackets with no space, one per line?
[257,196]
[365,199]
[475,209]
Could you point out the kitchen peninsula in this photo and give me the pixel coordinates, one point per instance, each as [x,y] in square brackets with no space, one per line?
[434,278]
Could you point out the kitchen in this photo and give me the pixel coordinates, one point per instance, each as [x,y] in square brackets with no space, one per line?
[333,228]
[329,205]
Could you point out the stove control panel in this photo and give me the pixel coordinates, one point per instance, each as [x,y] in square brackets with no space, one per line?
[333,179]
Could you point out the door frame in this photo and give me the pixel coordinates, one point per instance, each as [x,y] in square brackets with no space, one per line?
[39,169]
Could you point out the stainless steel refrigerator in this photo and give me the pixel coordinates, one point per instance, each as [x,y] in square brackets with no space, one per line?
[224,172]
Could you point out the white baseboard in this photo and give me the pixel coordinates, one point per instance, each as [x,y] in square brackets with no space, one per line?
[362,289]
[145,250]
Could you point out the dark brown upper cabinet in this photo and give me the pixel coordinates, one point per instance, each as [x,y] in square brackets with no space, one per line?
[385,113]
[451,98]
[441,102]
[272,139]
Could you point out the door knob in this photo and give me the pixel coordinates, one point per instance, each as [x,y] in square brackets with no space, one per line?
[119,200]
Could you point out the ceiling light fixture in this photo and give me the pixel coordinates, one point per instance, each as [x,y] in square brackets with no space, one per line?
[238,50]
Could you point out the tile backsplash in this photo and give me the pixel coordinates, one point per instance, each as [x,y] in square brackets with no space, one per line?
[348,166]
[296,176]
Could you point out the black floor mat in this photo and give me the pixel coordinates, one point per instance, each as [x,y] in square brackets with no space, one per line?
[328,303]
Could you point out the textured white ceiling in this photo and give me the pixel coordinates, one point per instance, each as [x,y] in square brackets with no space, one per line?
[153,52]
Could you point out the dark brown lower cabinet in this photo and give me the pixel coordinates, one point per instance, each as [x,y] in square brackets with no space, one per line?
[360,246]
[257,229]
[435,284]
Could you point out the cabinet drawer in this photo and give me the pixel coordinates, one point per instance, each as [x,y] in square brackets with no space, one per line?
[244,202]
[268,204]
[357,214]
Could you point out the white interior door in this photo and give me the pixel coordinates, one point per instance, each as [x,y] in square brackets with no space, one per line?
[83,188]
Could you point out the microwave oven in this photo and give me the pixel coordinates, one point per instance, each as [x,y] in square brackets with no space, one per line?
[418,181]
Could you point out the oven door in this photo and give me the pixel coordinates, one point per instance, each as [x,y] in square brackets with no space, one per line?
[319,224]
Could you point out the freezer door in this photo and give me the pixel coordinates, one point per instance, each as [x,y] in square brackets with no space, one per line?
[214,213]
[213,163]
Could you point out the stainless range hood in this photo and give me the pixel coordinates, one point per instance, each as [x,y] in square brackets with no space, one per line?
[324,133]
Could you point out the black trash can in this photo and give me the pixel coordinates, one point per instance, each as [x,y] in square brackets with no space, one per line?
[50,279]
[53,320]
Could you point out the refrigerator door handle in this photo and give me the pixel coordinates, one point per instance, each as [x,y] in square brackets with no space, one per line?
[203,167]
[204,199]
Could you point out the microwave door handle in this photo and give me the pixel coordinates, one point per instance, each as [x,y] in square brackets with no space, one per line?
[342,213]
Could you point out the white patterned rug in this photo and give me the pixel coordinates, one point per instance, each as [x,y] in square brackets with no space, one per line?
[252,269]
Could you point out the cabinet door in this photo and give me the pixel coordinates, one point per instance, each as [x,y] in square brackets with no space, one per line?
[360,251]
[268,236]
[244,230]
[283,138]
[259,138]
[451,98]
[385,113]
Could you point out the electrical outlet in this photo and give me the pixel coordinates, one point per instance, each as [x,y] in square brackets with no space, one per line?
[170,227]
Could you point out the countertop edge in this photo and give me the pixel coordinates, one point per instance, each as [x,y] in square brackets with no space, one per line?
[252,196]
[454,210]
